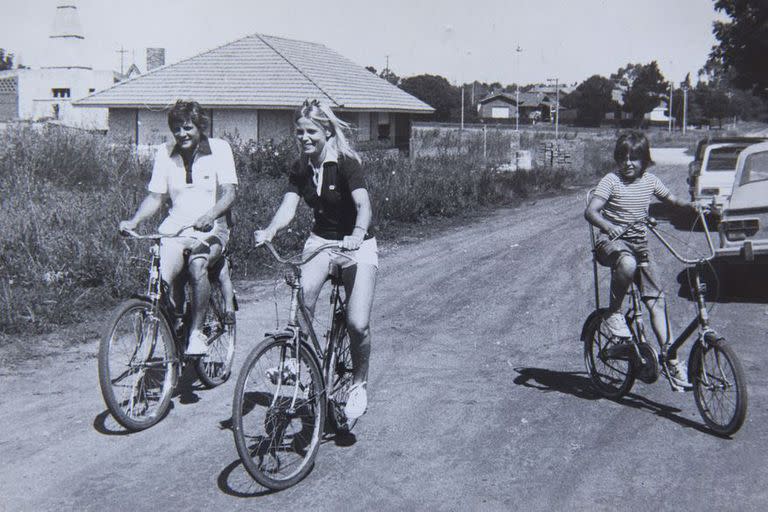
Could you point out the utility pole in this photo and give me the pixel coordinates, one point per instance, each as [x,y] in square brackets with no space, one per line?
[557,103]
[518,50]
[685,107]
[122,51]
[671,85]
[462,106]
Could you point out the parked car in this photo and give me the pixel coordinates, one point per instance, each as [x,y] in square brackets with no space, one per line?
[743,228]
[711,174]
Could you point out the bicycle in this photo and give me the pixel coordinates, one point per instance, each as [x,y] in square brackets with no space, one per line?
[289,387]
[141,354]
[714,371]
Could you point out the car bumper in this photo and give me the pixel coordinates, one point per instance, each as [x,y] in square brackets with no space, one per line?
[748,250]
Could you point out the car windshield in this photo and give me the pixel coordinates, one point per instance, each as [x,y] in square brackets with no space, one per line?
[723,159]
[755,168]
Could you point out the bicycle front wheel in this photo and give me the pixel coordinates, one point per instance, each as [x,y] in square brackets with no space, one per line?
[215,367]
[137,373]
[278,412]
[339,376]
[719,386]
[611,377]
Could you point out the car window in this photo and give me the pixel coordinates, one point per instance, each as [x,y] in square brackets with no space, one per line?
[755,168]
[723,159]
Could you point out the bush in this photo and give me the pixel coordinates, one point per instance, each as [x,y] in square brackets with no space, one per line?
[64,192]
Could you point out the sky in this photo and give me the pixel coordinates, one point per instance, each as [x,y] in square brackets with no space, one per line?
[461,40]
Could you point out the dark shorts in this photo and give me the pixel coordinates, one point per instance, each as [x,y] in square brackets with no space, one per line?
[609,251]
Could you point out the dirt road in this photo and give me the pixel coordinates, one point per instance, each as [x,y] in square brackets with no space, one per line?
[479,400]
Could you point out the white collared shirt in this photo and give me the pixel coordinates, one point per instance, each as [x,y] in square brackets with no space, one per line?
[330,156]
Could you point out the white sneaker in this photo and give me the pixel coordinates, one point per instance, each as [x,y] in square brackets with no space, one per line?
[617,325]
[357,401]
[198,344]
[678,372]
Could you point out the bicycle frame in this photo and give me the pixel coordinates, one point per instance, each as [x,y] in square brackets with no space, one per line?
[299,311]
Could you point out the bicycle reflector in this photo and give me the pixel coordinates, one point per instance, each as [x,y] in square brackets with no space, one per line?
[737,230]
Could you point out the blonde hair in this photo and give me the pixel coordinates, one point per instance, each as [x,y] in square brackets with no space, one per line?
[322,115]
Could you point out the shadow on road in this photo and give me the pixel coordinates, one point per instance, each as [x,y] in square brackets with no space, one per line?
[579,385]
[746,283]
[235,481]
[105,424]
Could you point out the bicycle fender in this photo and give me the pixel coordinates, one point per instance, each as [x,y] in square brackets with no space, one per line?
[590,318]
[279,334]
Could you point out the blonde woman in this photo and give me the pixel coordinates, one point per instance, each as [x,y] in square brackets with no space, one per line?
[329,177]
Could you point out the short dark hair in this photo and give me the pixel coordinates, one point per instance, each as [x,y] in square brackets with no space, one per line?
[183,111]
[635,145]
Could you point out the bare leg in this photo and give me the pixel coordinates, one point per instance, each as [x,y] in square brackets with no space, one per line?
[622,274]
[657,308]
[359,283]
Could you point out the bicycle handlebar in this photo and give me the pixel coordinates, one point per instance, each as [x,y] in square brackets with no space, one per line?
[302,261]
[651,223]
[151,236]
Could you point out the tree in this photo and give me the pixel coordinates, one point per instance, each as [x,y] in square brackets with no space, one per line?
[645,88]
[435,91]
[592,99]
[386,74]
[743,43]
[6,60]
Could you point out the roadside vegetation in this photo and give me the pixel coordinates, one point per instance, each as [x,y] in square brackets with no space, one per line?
[63,193]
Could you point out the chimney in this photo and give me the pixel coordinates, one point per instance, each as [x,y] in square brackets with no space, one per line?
[155,58]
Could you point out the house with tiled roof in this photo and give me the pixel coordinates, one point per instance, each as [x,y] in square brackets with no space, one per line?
[250,88]
[503,106]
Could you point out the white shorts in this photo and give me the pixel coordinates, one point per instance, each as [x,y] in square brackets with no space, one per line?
[367,253]
[198,242]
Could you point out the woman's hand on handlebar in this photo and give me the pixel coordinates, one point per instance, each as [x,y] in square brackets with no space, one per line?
[352,242]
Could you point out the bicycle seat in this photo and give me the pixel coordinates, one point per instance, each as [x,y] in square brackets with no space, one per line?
[334,273]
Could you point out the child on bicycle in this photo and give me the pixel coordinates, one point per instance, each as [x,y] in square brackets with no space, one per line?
[621,198]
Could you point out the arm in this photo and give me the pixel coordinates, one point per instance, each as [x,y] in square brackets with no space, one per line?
[222,206]
[283,216]
[148,207]
[676,201]
[362,221]
[593,216]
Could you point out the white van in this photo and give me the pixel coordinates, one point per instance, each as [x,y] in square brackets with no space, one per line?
[711,184]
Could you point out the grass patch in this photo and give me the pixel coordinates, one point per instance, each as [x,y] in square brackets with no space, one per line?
[64,192]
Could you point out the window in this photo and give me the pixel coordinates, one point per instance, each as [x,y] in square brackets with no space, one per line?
[723,159]
[755,168]
[60,93]
[499,112]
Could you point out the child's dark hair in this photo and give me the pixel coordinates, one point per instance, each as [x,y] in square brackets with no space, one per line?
[183,111]
[634,145]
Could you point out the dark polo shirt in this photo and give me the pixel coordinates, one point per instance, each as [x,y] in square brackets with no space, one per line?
[335,211]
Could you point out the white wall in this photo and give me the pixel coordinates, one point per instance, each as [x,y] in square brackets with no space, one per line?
[241,122]
[36,98]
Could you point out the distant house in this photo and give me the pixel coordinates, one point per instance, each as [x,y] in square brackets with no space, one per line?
[46,94]
[250,87]
[502,106]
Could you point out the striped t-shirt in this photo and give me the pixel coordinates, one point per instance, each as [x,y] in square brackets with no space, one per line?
[627,201]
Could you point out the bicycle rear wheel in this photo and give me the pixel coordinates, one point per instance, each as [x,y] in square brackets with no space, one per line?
[612,377]
[339,378]
[278,413]
[719,386]
[215,367]
[137,373]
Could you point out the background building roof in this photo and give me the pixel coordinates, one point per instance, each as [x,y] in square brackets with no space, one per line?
[265,72]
